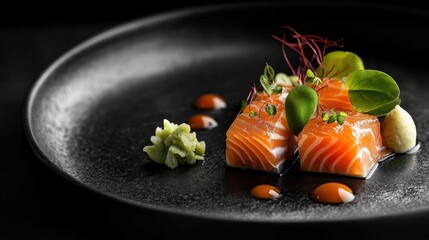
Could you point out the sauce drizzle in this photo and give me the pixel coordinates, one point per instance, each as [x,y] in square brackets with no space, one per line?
[210,101]
[332,193]
[202,121]
[265,191]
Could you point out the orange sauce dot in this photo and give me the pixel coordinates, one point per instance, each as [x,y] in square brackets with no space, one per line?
[332,193]
[265,191]
[202,121]
[210,101]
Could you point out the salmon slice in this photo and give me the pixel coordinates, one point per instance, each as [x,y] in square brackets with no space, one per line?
[263,143]
[334,94]
[352,149]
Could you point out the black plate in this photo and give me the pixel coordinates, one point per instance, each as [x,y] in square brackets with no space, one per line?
[90,114]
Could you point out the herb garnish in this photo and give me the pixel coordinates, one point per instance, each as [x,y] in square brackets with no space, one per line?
[370,91]
[267,81]
[310,50]
[300,106]
[271,84]
[332,116]
[271,110]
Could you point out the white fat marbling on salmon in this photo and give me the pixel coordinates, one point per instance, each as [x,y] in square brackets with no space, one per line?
[351,163]
[255,149]
[311,147]
[359,157]
[357,132]
[278,151]
[316,155]
[277,136]
[371,171]
[279,125]
[339,159]
[327,156]
[237,150]
[283,96]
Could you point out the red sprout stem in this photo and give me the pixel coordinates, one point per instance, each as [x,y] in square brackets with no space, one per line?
[285,55]
[317,47]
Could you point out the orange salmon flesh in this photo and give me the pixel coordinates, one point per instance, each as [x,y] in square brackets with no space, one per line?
[352,149]
[334,94]
[263,143]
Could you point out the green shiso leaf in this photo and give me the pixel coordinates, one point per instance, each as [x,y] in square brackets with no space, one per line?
[373,92]
[301,104]
[339,64]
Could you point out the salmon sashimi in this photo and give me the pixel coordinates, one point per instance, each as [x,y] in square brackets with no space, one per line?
[352,149]
[261,142]
[334,93]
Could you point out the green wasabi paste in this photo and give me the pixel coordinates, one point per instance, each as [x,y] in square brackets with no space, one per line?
[175,144]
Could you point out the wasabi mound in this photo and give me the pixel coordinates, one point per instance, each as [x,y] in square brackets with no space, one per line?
[175,145]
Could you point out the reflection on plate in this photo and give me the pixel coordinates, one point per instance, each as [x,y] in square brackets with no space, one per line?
[90,114]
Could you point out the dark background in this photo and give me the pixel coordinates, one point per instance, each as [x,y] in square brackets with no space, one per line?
[39,13]
[35,203]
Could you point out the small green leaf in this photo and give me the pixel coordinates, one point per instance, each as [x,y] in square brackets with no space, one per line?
[317,81]
[243,105]
[332,118]
[265,84]
[372,92]
[301,104]
[383,110]
[269,87]
[253,114]
[282,78]
[340,119]
[310,73]
[339,64]
[294,79]
[271,110]
[325,116]
[269,72]
[276,89]
[310,76]
[264,79]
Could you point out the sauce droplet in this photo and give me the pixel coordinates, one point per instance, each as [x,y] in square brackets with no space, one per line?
[332,193]
[265,191]
[202,121]
[210,101]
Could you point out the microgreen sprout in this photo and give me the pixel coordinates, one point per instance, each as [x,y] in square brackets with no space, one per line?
[267,81]
[271,110]
[333,116]
[271,83]
[312,78]
[282,78]
[269,72]
[243,105]
[253,114]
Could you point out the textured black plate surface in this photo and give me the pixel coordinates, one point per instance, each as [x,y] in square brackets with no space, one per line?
[90,114]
